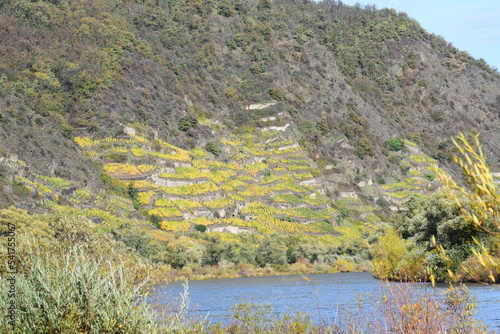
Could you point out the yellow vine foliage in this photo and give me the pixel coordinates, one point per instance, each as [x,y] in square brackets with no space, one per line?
[146,168]
[83,142]
[166,212]
[143,185]
[179,226]
[122,170]
[164,202]
[186,204]
[144,198]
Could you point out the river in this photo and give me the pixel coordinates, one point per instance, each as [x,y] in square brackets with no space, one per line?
[290,294]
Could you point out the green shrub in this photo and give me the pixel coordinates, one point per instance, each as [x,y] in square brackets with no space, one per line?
[155,220]
[276,93]
[292,110]
[423,83]
[142,114]
[231,93]
[415,137]
[429,176]
[67,130]
[258,68]
[264,5]
[212,148]
[200,228]
[323,126]
[224,8]
[231,44]
[394,144]
[241,40]
[365,147]
[73,278]
[382,202]
[187,122]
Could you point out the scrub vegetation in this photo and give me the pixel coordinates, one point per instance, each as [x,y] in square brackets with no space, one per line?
[145,142]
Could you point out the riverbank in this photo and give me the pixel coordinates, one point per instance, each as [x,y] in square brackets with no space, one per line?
[226,270]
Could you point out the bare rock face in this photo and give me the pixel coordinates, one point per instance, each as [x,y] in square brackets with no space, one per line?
[129,131]
[230,229]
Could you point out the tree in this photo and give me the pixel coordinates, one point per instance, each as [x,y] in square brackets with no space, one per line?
[225,8]
[434,216]
[184,252]
[270,251]
[276,93]
[388,254]
[231,94]
[200,228]
[432,220]
[132,191]
[323,126]
[313,253]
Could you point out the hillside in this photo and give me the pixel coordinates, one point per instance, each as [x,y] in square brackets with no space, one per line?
[239,116]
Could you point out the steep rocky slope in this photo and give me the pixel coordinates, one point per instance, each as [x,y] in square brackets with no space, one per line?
[342,81]
[260,181]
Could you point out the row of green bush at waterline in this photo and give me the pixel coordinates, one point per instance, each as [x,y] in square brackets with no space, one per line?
[220,255]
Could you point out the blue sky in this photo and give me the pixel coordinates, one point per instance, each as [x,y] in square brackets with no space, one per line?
[470,25]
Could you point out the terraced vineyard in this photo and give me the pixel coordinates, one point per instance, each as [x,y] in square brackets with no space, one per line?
[420,178]
[266,183]
[262,182]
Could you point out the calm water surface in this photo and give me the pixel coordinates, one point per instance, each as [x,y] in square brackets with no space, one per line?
[290,294]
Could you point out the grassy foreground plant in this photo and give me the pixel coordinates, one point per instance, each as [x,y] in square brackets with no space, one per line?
[67,293]
[411,310]
[71,278]
[483,198]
